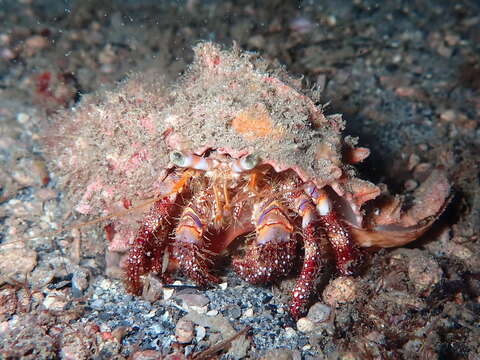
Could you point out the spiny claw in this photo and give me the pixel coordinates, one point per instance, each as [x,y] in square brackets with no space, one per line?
[274,249]
[262,263]
[193,261]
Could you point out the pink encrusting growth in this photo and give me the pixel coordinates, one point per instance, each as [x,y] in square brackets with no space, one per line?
[234,148]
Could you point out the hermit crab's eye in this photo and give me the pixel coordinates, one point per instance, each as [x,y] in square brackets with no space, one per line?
[249,162]
[177,158]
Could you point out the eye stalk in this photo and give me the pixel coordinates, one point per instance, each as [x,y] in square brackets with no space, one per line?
[177,158]
[249,162]
[245,163]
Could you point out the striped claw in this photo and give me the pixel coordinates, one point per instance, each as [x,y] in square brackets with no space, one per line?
[188,248]
[274,250]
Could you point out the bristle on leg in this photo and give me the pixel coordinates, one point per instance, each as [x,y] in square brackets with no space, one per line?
[188,247]
[273,252]
[306,282]
[346,253]
[263,263]
[146,252]
[305,285]
[194,263]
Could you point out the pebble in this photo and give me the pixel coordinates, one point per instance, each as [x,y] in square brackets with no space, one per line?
[156,329]
[301,25]
[17,261]
[120,332]
[152,290]
[306,347]
[223,285]
[55,301]
[34,44]
[290,332]
[341,290]
[460,251]
[410,185]
[212,313]
[405,91]
[23,118]
[151,314]
[80,282]
[45,194]
[105,284]
[232,312]
[200,333]
[448,115]
[348,356]
[147,355]
[424,272]
[257,41]
[41,276]
[305,325]
[184,331]
[421,169]
[319,312]
[280,354]
[248,313]
[198,309]
[6,54]
[97,304]
[413,160]
[168,293]
[193,299]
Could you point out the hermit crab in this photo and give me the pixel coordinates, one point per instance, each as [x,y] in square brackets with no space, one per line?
[233,149]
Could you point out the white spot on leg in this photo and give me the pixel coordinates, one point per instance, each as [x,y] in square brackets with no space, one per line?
[323,206]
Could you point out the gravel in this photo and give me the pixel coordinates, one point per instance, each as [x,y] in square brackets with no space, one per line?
[405,75]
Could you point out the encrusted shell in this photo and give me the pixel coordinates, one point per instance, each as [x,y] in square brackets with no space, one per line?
[115,144]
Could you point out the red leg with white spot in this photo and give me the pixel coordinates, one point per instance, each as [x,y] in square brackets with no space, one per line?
[273,252]
[346,253]
[146,253]
[306,285]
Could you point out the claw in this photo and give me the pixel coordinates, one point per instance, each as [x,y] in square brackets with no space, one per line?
[188,248]
[273,252]
[194,263]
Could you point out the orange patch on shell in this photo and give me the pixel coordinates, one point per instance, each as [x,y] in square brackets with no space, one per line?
[255,122]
